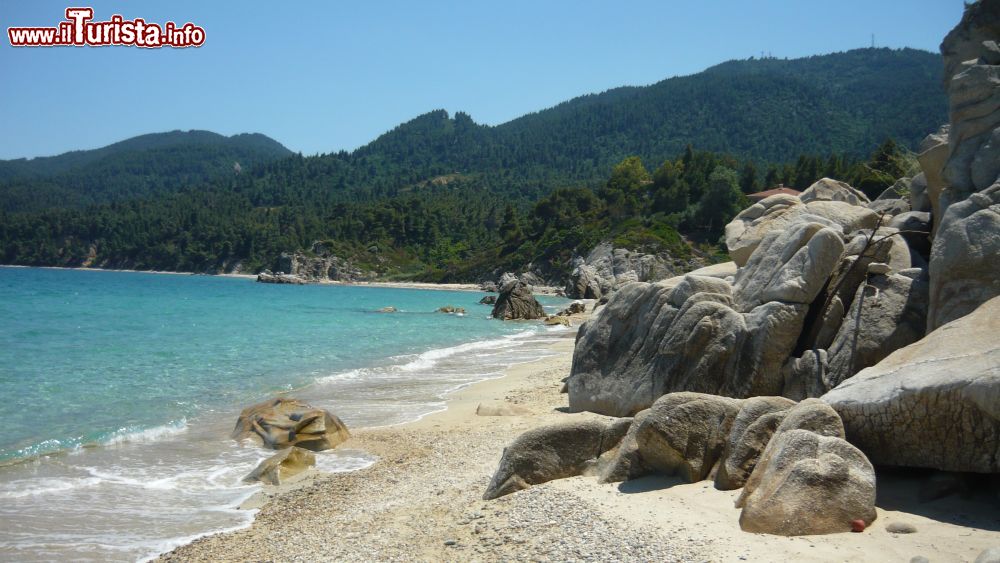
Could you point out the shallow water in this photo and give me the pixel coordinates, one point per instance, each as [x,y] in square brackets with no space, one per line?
[121,389]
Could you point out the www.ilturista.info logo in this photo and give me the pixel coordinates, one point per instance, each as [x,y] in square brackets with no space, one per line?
[78,30]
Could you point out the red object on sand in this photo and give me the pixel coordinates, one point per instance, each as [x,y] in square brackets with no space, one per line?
[858,525]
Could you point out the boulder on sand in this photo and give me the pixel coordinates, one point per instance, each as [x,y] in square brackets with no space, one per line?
[282,465]
[934,403]
[284,422]
[554,452]
[808,484]
[516,302]
[752,429]
[682,434]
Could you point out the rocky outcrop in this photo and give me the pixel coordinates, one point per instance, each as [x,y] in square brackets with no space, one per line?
[517,302]
[317,265]
[887,313]
[702,334]
[806,483]
[605,269]
[284,422]
[934,403]
[964,269]
[280,278]
[281,466]
[488,300]
[574,308]
[799,475]
[751,430]
[826,189]
[554,452]
[972,78]
[682,434]
[932,157]
[778,212]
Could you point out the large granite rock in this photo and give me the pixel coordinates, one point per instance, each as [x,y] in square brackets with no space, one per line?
[920,201]
[653,339]
[320,264]
[887,313]
[605,269]
[284,422]
[682,434]
[972,79]
[806,484]
[779,212]
[554,452]
[584,283]
[749,434]
[789,266]
[267,276]
[934,403]
[932,157]
[282,465]
[827,189]
[964,265]
[517,302]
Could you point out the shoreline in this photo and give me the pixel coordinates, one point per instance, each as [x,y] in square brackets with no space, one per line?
[472,287]
[422,500]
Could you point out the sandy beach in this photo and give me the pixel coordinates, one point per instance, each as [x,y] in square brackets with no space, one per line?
[422,501]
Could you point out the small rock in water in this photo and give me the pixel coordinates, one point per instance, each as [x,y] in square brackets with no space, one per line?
[900,528]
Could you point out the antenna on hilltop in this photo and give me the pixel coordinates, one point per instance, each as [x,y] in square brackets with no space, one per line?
[873,41]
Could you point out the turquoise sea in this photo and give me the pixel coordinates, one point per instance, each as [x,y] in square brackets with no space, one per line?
[119,390]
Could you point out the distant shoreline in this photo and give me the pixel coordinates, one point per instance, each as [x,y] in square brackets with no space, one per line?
[540,290]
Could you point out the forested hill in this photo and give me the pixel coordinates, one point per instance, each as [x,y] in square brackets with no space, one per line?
[768,110]
[134,168]
[442,197]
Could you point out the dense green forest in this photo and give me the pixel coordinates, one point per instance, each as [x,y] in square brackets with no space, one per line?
[444,198]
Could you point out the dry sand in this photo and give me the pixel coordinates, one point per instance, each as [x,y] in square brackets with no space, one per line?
[421,501]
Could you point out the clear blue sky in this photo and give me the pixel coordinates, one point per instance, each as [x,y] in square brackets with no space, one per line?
[324,76]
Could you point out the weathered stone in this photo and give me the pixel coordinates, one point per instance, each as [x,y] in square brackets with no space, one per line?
[915,228]
[651,340]
[516,302]
[933,155]
[806,376]
[890,207]
[584,283]
[554,452]
[789,266]
[805,484]
[827,189]
[488,300]
[751,430]
[682,434]
[888,312]
[779,212]
[281,466]
[964,266]
[574,308]
[283,422]
[919,199]
[934,403]
[991,555]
